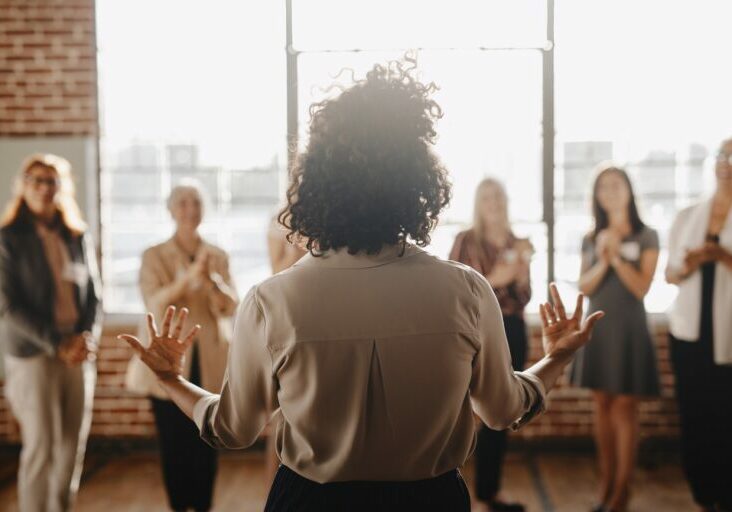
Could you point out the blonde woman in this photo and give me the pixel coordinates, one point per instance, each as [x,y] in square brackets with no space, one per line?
[50,308]
[194,275]
[491,248]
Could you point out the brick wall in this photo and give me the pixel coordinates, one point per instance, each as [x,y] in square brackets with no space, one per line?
[119,414]
[570,408]
[47,68]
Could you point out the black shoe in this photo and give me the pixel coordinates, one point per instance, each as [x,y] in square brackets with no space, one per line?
[598,508]
[501,506]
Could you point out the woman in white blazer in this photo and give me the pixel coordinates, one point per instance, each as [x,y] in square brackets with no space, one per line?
[700,263]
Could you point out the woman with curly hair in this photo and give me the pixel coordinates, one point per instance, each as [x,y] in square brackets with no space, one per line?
[375,352]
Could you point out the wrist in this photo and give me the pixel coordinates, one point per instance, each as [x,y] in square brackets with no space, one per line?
[168,378]
[561,356]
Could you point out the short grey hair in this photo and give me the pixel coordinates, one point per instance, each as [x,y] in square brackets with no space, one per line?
[186,185]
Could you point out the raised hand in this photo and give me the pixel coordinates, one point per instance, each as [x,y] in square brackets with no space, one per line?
[165,355]
[561,334]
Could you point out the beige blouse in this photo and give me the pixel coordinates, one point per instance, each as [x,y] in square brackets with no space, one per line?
[376,364]
[160,267]
[65,311]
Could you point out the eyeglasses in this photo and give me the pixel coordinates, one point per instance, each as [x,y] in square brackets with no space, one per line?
[37,181]
[723,157]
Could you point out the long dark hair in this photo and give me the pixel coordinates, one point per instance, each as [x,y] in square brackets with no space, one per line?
[602,220]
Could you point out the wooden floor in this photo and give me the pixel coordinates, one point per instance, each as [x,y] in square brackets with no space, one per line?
[545,482]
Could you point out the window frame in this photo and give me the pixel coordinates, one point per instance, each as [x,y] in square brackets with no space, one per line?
[547,118]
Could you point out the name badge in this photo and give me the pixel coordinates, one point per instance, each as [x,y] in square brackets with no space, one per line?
[510,255]
[630,251]
[75,273]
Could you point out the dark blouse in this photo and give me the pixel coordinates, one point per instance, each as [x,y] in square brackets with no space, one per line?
[483,256]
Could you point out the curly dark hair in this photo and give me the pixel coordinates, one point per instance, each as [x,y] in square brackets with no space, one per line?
[369,176]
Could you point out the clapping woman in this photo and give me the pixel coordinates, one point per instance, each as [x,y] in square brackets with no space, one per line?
[491,248]
[51,321]
[700,264]
[192,274]
[619,259]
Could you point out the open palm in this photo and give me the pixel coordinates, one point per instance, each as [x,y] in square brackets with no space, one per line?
[166,354]
[561,333]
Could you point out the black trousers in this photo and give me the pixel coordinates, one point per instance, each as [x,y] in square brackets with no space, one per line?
[291,492]
[189,464]
[704,395]
[490,450]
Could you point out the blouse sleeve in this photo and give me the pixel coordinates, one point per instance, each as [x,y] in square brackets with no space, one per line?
[236,417]
[675,243]
[156,294]
[649,240]
[501,397]
[587,251]
[224,298]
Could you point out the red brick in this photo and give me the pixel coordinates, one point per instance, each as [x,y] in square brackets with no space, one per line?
[47,62]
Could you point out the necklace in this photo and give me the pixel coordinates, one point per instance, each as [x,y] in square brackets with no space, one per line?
[191,255]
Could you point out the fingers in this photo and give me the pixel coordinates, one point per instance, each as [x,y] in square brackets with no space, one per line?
[178,327]
[152,330]
[550,313]
[191,336]
[591,321]
[167,319]
[544,316]
[578,308]
[557,300]
[134,342]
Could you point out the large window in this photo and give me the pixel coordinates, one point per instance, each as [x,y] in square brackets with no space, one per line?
[486,59]
[189,90]
[200,91]
[642,84]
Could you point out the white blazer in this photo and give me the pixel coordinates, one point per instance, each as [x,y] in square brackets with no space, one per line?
[688,232]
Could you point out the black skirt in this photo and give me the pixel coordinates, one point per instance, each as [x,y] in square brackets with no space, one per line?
[292,492]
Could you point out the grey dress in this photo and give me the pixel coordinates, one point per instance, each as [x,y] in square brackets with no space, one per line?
[620,358]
